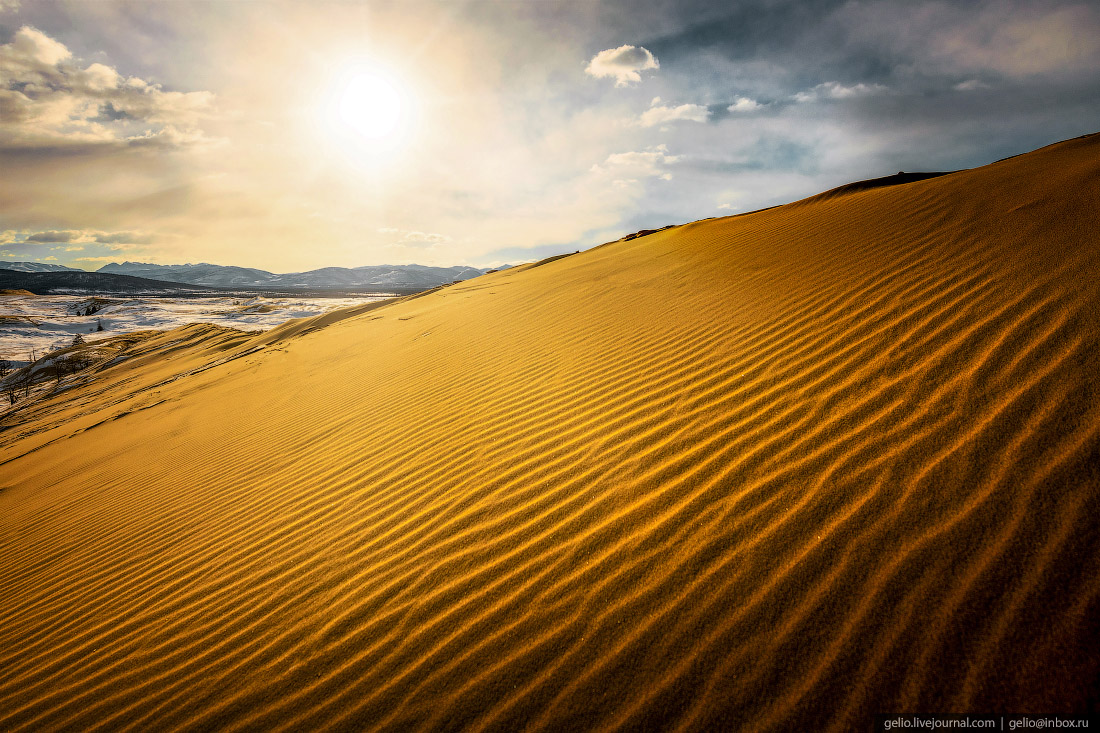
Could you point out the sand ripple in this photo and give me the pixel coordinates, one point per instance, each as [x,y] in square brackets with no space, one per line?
[784,469]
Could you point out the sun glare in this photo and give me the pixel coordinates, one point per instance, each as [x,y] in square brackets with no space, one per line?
[368,114]
[370,106]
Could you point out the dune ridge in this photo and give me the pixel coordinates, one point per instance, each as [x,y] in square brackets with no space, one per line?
[784,469]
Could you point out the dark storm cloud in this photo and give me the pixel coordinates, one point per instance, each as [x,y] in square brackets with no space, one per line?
[741,29]
[797,42]
[916,84]
[798,45]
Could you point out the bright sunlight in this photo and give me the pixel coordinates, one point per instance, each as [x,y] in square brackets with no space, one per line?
[370,105]
[368,115]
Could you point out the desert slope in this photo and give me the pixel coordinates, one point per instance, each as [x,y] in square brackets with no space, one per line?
[787,468]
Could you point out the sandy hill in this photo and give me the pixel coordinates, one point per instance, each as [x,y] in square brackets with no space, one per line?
[787,468]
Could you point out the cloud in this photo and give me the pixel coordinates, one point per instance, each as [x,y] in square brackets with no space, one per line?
[7,236]
[629,168]
[1023,41]
[541,132]
[659,115]
[33,47]
[744,104]
[49,101]
[100,78]
[1018,39]
[121,238]
[836,90]
[970,85]
[96,259]
[115,240]
[415,238]
[623,64]
[11,5]
[53,236]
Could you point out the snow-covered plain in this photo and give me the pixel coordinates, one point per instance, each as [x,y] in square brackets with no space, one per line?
[42,323]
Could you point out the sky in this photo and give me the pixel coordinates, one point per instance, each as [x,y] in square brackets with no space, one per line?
[292,136]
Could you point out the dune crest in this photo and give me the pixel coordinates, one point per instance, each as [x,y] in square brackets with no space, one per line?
[790,468]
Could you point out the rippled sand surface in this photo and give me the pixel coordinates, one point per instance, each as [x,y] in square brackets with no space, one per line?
[771,472]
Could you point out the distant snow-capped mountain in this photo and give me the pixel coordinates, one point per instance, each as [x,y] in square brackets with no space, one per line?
[396,276]
[35,267]
[200,274]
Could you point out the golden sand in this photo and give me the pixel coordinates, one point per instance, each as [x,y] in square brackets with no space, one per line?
[788,468]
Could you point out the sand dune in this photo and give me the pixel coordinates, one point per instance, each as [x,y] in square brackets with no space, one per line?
[788,468]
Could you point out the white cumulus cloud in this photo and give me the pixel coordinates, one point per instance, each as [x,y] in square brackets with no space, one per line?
[623,64]
[659,114]
[33,47]
[47,99]
[744,104]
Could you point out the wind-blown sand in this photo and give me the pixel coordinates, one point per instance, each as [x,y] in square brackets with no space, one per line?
[788,468]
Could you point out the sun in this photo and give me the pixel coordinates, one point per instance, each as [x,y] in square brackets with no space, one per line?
[368,114]
[370,105]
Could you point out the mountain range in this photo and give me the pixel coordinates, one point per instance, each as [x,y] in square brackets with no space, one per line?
[385,276]
[36,267]
[68,281]
[401,277]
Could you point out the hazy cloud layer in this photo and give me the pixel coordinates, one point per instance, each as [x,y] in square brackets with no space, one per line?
[414,238]
[112,240]
[836,90]
[193,131]
[630,167]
